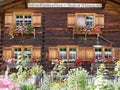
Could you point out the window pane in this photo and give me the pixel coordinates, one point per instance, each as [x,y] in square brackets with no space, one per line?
[89,21]
[27,20]
[17,52]
[108,53]
[72,54]
[19,19]
[98,53]
[81,21]
[27,51]
[63,53]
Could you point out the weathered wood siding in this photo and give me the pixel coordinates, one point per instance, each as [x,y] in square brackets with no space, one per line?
[57,33]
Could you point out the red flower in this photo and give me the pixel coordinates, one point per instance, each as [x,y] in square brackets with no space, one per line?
[77,62]
[58,60]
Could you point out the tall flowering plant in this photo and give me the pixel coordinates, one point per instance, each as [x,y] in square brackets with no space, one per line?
[59,66]
[117,68]
[101,69]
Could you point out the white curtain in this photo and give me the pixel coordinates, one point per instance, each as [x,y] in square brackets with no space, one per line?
[81,21]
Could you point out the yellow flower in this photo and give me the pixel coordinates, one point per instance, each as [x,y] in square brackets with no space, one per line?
[118,62]
[61,63]
[56,86]
[102,65]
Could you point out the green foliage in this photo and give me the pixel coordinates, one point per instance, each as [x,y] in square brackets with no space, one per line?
[102,70]
[77,78]
[36,69]
[30,29]
[59,68]
[13,76]
[100,83]
[117,68]
[22,66]
[27,87]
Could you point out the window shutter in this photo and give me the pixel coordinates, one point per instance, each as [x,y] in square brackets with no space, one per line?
[7,52]
[36,19]
[8,19]
[81,53]
[53,53]
[116,53]
[89,53]
[36,53]
[99,20]
[71,20]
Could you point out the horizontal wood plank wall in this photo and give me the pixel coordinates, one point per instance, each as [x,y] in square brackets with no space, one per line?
[57,32]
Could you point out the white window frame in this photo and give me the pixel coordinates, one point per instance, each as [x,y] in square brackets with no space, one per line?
[63,54]
[98,53]
[22,50]
[108,53]
[85,15]
[73,53]
[23,19]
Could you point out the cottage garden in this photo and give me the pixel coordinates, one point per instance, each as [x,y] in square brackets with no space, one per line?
[31,76]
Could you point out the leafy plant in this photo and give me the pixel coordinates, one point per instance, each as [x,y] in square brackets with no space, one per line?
[36,69]
[100,83]
[101,70]
[30,29]
[77,79]
[27,87]
[22,66]
[117,68]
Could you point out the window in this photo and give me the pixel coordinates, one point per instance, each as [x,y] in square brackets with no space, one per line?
[72,53]
[108,53]
[85,20]
[19,50]
[63,53]
[68,53]
[89,21]
[27,51]
[98,53]
[26,19]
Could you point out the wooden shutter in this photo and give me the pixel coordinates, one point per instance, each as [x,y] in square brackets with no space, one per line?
[8,19]
[71,20]
[36,19]
[36,53]
[116,52]
[89,53]
[7,52]
[53,53]
[99,20]
[81,53]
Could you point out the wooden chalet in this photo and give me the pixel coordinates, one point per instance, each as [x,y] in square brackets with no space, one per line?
[66,29]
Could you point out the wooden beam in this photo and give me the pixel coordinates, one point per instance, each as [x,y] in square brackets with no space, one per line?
[12,5]
[115,1]
[113,4]
[111,43]
[107,31]
[6,2]
[26,2]
[103,3]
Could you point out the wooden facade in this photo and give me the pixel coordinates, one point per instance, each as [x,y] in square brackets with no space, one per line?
[54,31]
